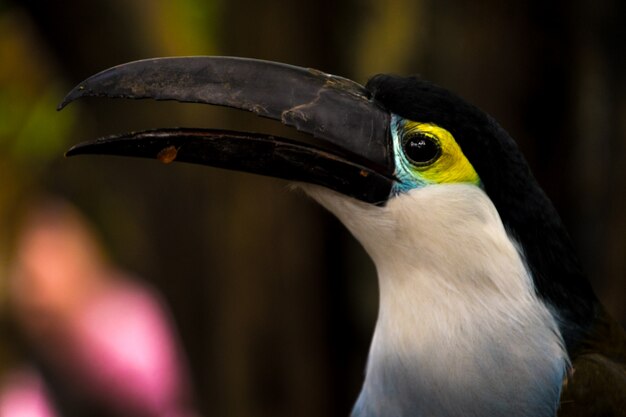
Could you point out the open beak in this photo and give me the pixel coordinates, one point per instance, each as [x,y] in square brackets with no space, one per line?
[354,155]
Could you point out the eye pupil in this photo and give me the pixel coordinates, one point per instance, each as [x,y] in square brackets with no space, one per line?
[421,149]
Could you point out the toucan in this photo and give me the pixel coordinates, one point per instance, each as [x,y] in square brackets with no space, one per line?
[484,308]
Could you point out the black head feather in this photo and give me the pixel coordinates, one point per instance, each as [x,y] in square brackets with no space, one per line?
[526,211]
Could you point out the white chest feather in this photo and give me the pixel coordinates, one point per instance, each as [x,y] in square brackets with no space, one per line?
[460,330]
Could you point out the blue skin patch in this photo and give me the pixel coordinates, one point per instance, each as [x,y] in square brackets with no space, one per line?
[407,177]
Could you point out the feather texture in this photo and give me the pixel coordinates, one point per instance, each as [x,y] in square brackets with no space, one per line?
[460,329]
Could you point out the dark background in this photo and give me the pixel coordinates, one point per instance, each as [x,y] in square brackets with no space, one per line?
[274,301]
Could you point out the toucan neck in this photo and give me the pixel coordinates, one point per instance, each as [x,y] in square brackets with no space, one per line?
[460,330]
[459,357]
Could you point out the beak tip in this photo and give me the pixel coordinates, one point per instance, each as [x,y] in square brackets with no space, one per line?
[76,93]
[79,149]
[71,152]
[67,100]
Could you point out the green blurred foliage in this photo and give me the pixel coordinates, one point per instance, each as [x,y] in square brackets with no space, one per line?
[186,27]
[31,131]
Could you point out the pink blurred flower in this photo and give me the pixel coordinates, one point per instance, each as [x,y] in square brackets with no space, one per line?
[23,394]
[108,336]
[124,349]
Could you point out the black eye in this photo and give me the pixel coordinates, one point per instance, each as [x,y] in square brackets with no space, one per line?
[421,149]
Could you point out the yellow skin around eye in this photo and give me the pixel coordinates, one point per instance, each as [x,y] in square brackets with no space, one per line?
[451,166]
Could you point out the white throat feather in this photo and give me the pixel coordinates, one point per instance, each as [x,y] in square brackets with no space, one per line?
[460,330]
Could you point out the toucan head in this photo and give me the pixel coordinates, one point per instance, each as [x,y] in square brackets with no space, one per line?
[373,143]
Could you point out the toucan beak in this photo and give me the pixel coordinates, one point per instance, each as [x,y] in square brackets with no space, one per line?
[353,157]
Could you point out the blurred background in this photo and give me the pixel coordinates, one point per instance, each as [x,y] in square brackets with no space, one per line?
[228,294]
